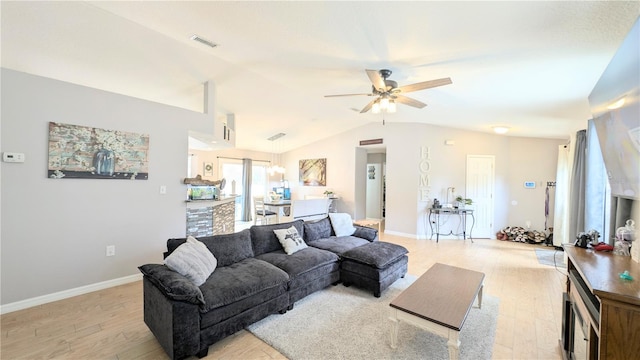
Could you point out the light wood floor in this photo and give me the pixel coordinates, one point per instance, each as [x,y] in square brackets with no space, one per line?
[108,324]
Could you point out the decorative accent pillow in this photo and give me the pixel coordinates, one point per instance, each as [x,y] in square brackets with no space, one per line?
[342,224]
[290,240]
[192,260]
[316,230]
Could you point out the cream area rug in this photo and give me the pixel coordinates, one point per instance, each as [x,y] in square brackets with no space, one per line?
[348,323]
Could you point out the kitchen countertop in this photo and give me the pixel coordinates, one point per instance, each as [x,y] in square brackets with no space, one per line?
[221,200]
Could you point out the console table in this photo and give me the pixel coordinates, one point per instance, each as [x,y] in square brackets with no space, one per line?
[462,213]
[601,311]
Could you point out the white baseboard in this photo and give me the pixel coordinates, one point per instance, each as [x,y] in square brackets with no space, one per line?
[397,233]
[423,236]
[39,300]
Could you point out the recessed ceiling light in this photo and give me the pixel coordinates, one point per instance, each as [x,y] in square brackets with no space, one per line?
[202,40]
[500,129]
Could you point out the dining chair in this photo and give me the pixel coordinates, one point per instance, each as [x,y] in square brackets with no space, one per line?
[261,211]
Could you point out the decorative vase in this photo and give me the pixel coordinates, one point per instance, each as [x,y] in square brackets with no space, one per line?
[104,162]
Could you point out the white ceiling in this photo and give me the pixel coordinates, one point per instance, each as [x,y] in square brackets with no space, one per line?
[526,65]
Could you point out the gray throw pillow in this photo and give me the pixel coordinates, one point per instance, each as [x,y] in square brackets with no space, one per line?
[192,260]
[316,230]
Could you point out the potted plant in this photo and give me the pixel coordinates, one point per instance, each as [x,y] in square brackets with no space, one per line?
[463,202]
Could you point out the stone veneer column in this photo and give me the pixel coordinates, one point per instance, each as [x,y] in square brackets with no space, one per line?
[224,218]
[200,221]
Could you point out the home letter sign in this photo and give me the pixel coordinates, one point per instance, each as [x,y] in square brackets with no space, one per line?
[424,169]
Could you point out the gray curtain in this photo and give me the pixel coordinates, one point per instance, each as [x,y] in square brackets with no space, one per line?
[246,193]
[578,187]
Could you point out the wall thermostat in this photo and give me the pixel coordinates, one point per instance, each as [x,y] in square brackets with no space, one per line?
[13,157]
[529,184]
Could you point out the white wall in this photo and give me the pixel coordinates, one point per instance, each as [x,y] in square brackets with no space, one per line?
[202,156]
[54,232]
[405,214]
[212,156]
[529,161]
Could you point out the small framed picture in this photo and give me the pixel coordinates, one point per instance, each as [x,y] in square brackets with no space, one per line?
[208,169]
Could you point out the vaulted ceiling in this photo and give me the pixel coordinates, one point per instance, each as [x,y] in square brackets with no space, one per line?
[526,65]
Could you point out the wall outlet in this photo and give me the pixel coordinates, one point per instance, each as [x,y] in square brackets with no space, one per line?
[111,250]
[163,189]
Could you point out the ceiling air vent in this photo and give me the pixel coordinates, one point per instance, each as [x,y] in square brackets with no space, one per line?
[276,136]
[203,41]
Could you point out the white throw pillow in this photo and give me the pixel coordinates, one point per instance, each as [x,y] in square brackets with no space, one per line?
[192,260]
[342,224]
[290,240]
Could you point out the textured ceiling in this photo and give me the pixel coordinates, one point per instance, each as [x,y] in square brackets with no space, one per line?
[526,65]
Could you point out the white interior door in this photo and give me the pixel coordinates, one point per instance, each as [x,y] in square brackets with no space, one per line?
[480,184]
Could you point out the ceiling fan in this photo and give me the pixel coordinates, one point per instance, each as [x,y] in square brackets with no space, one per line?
[388,93]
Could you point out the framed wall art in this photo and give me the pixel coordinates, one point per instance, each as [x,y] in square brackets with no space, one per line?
[85,152]
[313,172]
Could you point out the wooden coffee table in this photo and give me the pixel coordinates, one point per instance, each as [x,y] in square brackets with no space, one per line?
[438,301]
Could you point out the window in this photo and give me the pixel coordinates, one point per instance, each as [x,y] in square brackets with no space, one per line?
[231,170]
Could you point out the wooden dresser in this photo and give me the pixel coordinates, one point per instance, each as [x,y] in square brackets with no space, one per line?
[611,318]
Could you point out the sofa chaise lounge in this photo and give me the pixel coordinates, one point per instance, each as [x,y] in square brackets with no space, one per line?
[255,278]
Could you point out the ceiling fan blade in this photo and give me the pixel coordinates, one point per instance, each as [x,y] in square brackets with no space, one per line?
[409,101]
[368,107]
[347,95]
[424,85]
[376,80]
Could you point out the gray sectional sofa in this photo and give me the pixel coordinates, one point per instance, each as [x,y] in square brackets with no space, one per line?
[255,278]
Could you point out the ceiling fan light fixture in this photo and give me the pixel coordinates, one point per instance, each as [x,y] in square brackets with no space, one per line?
[375,108]
[384,103]
[387,91]
[500,129]
[392,107]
